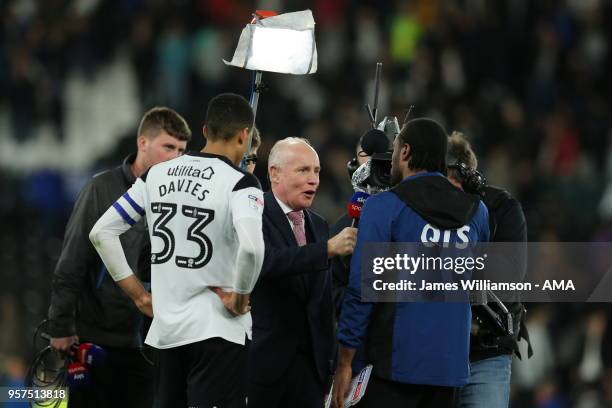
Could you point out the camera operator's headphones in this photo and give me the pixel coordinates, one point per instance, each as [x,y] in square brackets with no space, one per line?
[376,143]
[353,164]
[471,180]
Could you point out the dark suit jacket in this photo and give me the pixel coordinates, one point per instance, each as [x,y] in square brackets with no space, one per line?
[291,303]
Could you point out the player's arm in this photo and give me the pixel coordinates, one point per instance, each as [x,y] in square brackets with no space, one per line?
[355,314]
[120,217]
[246,204]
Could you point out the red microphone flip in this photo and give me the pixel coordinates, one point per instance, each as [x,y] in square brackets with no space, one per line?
[355,205]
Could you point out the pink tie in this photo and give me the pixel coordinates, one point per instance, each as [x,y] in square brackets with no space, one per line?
[297,219]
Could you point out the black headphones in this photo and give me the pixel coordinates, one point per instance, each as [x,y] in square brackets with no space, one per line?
[471,180]
[352,166]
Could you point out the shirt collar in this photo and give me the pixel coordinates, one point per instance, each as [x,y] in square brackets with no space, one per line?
[425,174]
[214,156]
[286,209]
[126,168]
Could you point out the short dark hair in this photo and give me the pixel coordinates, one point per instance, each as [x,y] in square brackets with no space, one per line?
[460,149]
[162,118]
[227,114]
[428,144]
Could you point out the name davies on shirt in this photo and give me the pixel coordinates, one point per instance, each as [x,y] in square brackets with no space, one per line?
[187,185]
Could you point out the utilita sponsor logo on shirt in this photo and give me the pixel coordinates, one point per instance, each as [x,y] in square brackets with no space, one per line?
[189,171]
[187,185]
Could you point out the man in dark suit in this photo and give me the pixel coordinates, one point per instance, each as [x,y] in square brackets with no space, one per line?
[293,330]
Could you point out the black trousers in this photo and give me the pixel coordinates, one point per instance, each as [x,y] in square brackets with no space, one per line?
[299,387]
[390,394]
[124,379]
[206,374]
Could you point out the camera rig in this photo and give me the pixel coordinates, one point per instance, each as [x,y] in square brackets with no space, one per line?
[374,175]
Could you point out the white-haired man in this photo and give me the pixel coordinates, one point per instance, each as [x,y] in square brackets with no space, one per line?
[290,356]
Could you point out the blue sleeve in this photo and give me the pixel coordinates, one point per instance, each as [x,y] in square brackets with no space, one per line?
[483,223]
[374,226]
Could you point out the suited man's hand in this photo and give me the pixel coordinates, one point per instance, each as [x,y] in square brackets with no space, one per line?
[342,382]
[343,243]
[235,303]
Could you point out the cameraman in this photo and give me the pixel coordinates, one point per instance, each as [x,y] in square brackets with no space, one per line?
[490,351]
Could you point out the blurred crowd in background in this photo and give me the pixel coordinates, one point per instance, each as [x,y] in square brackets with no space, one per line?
[526,81]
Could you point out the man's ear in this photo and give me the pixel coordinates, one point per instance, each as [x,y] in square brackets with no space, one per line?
[273,174]
[142,142]
[405,152]
[243,136]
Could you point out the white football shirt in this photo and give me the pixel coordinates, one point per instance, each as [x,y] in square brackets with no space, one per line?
[204,217]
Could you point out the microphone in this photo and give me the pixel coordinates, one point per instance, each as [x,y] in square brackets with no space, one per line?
[81,353]
[355,205]
[90,355]
[78,375]
[374,141]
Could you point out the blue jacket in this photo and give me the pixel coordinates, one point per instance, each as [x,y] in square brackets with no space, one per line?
[416,343]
